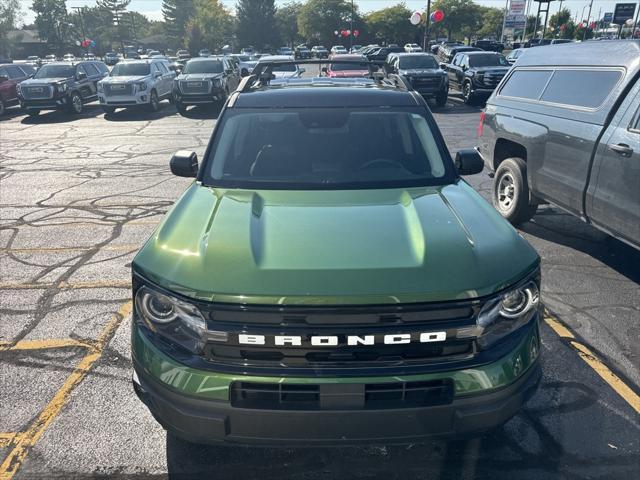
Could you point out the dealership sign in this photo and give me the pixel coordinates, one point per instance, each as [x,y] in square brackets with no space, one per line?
[608,17]
[623,12]
[517,7]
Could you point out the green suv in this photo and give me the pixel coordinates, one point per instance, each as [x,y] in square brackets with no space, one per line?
[330,279]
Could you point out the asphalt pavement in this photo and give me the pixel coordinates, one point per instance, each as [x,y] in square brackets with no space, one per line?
[80,194]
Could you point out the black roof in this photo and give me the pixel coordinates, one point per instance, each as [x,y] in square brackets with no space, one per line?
[307,95]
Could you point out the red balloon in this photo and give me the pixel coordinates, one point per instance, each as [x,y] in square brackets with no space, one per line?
[437,16]
[356,33]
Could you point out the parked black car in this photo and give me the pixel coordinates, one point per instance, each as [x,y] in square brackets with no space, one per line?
[302,52]
[423,73]
[380,54]
[447,52]
[205,80]
[62,85]
[577,148]
[489,45]
[476,74]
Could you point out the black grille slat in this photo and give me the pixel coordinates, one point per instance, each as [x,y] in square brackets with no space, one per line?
[267,396]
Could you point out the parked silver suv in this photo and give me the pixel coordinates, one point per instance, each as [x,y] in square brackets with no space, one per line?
[135,83]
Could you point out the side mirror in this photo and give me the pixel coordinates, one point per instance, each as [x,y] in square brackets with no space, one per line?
[81,76]
[443,66]
[302,70]
[469,162]
[157,74]
[3,78]
[184,164]
[324,70]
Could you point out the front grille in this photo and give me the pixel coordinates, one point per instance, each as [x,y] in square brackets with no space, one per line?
[118,89]
[374,396]
[428,83]
[372,325]
[194,87]
[492,80]
[39,92]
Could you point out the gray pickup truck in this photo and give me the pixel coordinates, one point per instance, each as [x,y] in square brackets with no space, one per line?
[564,128]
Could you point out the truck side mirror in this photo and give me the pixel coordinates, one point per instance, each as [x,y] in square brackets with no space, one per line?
[184,164]
[81,76]
[3,78]
[468,162]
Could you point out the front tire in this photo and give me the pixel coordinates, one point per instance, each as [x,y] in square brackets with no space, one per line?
[511,197]
[441,99]
[467,94]
[75,103]
[154,101]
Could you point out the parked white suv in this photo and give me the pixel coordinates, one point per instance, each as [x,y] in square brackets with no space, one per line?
[412,48]
[137,83]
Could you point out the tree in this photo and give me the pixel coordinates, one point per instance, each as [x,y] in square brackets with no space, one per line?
[9,12]
[491,24]
[211,26]
[563,17]
[461,18]
[391,25]
[52,23]
[177,14]
[318,19]
[287,21]
[531,26]
[256,23]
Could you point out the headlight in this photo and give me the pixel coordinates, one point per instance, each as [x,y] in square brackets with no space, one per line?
[175,320]
[100,87]
[507,313]
[141,86]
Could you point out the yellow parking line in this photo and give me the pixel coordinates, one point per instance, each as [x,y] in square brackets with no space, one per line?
[65,285]
[28,439]
[46,344]
[7,437]
[106,248]
[621,388]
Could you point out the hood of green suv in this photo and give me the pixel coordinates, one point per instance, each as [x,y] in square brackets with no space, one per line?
[334,247]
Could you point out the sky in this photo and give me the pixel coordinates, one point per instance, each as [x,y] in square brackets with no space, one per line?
[152,8]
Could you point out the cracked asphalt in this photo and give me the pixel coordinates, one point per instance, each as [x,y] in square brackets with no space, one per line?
[78,197]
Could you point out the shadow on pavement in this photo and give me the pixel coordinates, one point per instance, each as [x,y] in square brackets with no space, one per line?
[62,116]
[203,112]
[140,113]
[558,227]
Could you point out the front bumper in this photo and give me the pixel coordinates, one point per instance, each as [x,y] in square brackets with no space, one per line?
[216,95]
[122,101]
[195,404]
[56,103]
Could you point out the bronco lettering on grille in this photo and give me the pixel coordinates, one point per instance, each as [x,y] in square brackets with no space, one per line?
[334,340]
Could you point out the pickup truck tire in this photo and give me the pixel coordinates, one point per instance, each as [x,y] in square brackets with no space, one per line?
[154,101]
[467,94]
[511,196]
[75,103]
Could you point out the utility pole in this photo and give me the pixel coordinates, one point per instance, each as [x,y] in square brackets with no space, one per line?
[351,29]
[426,28]
[584,32]
[504,20]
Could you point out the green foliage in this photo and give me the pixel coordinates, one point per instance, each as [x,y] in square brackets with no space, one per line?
[256,23]
[462,18]
[211,26]
[287,22]
[177,14]
[51,21]
[491,23]
[10,11]
[391,25]
[318,20]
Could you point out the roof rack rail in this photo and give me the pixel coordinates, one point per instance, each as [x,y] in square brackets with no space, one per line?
[263,73]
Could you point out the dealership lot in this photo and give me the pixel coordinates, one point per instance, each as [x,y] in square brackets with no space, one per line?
[78,197]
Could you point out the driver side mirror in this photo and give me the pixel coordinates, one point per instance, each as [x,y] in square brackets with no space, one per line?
[184,164]
[157,74]
[468,162]
[81,76]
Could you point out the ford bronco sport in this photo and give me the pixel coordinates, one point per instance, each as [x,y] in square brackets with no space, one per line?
[329,278]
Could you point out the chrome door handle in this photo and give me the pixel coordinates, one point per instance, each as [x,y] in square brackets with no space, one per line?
[621,149]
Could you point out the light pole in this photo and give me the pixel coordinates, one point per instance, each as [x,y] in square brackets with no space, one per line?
[584,30]
[351,29]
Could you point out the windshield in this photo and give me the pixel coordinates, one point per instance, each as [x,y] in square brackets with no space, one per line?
[289,67]
[214,66]
[422,61]
[326,148]
[337,67]
[488,61]
[130,69]
[55,71]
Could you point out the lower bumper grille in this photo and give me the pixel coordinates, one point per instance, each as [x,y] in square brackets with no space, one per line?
[376,396]
[118,89]
[194,87]
[37,93]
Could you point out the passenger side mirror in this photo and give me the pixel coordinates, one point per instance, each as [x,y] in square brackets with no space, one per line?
[468,162]
[81,76]
[184,164]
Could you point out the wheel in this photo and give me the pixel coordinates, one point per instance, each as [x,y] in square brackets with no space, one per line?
[441,99]
[511,192]
[154,102]
[182,109]
[75,103]
[467,95]
[2,107]
[33,113]
[108,110]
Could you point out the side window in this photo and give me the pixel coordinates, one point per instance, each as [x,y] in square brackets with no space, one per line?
[81,69]
[27,70]
[594,87]
[102,67]
[14,72]
[635,123]
[526,84]
[456,60]
[4,73]
[91,70]
[464,61]
[154,68]
[163,67]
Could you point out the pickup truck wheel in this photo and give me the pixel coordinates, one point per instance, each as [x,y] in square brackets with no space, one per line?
[75,103]
[154,102]
[441,99]
[511,192]
[467,94]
